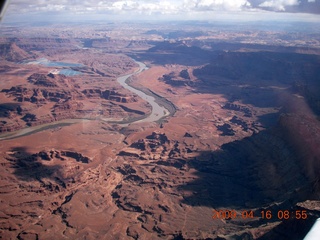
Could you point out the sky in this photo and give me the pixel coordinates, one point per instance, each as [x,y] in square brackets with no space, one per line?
[85,10]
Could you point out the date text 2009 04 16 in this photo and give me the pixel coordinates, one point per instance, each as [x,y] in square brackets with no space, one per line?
[264,214]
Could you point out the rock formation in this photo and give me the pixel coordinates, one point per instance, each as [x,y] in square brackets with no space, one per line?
[155,146]
[11,52]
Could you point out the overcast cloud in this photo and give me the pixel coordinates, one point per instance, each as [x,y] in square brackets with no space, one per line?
[178,8]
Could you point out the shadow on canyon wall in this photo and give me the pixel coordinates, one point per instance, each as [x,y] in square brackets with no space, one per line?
[292,229]
[28,168]
[7,108]
[253,172]
[258,78]
[175,53]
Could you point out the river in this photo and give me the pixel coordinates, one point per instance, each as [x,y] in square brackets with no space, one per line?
[157,112]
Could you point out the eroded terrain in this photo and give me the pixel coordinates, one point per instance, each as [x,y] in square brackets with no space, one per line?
[243,135]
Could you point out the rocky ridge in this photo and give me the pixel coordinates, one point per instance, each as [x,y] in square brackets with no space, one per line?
[156,146]
[11,52]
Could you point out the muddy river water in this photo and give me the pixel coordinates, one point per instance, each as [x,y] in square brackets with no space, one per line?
[158,111]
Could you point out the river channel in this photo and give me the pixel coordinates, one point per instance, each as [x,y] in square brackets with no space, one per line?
[157,113]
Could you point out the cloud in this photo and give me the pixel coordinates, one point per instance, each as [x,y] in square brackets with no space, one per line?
[229,5]
[123,5]
[279,5]
[170,8]
[139,6]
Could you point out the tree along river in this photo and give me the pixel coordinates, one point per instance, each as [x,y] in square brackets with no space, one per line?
[157,113]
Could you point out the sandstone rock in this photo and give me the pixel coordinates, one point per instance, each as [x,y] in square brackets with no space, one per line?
[133,232]
[42,80]
[226,130]
[130,152]
[12,52]
[237,107]
[187,135]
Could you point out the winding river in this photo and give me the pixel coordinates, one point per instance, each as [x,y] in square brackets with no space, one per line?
[157,113]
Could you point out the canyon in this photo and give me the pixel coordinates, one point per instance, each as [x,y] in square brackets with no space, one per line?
[238,130]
